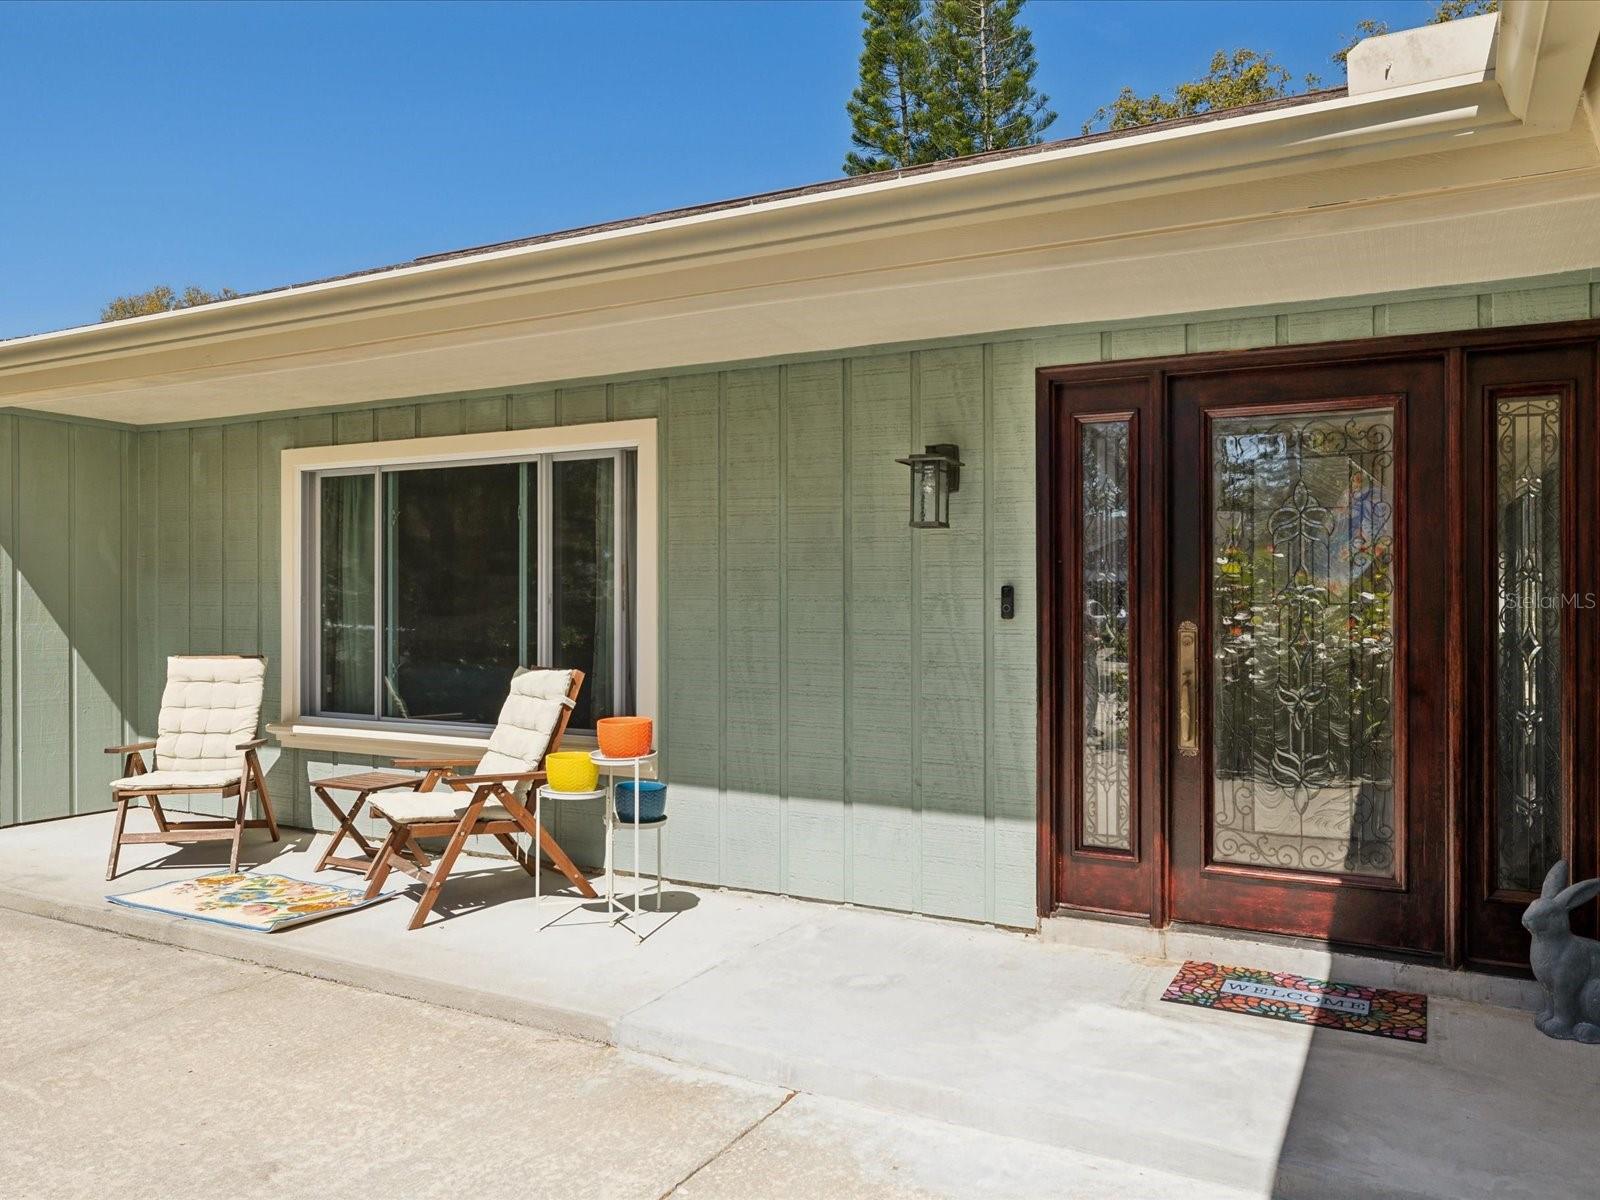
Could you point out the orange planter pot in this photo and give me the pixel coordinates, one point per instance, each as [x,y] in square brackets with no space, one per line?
[624,737]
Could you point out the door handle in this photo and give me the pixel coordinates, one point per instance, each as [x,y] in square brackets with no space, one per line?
[1188,731]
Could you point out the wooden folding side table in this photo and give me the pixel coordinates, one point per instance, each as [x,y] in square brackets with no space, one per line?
[363,785]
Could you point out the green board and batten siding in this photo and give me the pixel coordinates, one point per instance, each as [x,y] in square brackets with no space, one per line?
[66,599]
[845,715]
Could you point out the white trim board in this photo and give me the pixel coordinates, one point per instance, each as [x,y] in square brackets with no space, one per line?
[298,731]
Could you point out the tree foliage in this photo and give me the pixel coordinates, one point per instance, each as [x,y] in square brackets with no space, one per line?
[889,108]
[1243,77]
[1453,10]
[942,78]
[982,64]
[1248,77]
[1448,10]
[160,299]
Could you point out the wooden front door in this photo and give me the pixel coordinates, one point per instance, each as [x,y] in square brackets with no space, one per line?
[1320,635]
[1308,642]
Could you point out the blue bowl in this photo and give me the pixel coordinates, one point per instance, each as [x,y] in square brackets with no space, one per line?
[652,800]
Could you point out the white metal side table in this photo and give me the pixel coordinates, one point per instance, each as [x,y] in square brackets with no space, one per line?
[542,794]
[642,767]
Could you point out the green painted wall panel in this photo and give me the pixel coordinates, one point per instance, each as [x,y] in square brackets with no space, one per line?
[1011,803]
[813,659]
[1529,306]
[1427,316]
[205,559]
[205,541]
[878,664]
[1062,349]
[96,610]
[1148,342]
[633,398]
[282,766]
[752,678]
[533,410]
[397,423]
[1243,333]
[581,405]
[43,642]
[1325,325]
[440,418]
[241,536]
[148,676]
[353,427]
[692,649]
[952,601]
[130,584]
[482,414]
[173,580]
[9,678]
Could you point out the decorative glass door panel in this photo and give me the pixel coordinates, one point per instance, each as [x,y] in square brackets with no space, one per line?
[1307,642]
[1304,564]
[1105,632]
[1529,599]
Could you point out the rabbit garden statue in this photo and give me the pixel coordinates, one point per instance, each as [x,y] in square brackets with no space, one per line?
[1566,966]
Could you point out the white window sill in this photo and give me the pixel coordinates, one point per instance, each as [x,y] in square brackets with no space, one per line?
[391,743]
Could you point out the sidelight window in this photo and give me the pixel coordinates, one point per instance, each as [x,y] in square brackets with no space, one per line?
[1528,650]
[1105,630]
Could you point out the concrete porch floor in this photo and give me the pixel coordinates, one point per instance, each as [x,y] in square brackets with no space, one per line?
[1060,1045]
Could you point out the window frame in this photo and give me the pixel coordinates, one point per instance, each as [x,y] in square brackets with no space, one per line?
[541,608]
[302,724]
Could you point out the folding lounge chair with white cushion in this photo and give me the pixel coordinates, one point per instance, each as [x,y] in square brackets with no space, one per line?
[205,742]
[491,800]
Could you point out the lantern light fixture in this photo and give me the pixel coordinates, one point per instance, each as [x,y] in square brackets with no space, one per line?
[935,473]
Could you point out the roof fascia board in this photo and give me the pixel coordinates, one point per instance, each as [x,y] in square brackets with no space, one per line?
[1543,56]
[1256,145]
[1591,97]
[1535,225]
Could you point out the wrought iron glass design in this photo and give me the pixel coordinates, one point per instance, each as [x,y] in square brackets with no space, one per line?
[1303,639]
[1528,791]
[1105,777]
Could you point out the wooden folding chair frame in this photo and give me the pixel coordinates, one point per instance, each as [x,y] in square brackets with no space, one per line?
[485,789]
[251,780]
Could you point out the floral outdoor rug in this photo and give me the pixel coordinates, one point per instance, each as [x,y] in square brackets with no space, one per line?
[1284,997]
[261,903]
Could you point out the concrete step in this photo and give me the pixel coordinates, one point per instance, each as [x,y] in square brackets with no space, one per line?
[1073,1048]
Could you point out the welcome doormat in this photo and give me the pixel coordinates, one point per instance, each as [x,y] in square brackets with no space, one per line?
[261,903]
[1284,997]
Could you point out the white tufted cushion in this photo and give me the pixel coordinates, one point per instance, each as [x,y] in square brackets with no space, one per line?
[154,781]
[210,706]
[409,808]
[527,719]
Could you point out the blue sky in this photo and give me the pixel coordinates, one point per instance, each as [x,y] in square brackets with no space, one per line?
[251,145]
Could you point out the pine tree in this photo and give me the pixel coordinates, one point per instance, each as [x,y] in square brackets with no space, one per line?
[889,109]
[982,65]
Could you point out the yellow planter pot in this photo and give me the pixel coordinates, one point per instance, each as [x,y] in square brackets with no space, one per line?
[572,771]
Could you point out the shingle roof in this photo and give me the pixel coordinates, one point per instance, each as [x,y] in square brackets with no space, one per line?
[811,189]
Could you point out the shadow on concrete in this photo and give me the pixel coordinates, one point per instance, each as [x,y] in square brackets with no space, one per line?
[255,853]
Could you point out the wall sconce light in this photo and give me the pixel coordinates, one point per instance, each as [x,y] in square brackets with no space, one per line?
[935,473]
